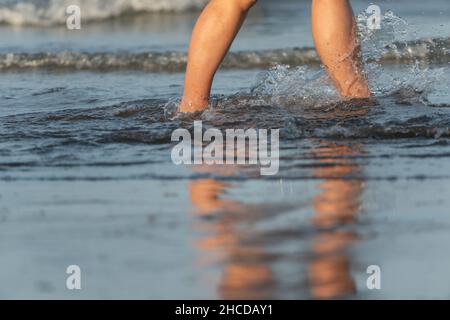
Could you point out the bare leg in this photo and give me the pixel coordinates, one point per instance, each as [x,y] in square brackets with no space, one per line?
[213,34]
[334,32]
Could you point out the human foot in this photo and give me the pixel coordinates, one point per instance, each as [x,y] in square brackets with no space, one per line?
[357,90]
[192,106]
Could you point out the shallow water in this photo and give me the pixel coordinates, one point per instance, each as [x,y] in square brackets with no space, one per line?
[86,176]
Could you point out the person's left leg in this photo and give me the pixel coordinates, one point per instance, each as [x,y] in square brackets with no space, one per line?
[335,36]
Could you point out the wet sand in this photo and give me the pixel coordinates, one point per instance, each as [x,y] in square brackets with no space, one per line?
[351,205]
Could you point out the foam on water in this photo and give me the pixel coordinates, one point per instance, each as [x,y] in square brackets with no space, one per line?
[51,12]
[433,51]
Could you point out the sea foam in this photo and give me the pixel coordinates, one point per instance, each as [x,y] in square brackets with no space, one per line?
[53,12]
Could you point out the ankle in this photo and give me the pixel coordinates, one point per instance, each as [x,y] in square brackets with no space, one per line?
[193,105]
[358,89]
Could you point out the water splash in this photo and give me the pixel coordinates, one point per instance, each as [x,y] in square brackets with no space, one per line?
[290,87]
[410,81]
[415,78]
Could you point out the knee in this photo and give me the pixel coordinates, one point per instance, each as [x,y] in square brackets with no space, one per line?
[245,5]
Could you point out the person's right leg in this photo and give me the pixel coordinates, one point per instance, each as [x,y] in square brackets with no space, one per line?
[213,34]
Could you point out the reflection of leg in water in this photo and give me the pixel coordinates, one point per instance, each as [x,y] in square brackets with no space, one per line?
[205,196]
[337,204]
[246,274]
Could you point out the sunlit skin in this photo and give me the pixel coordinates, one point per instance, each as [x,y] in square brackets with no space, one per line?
[335,37]
[334,33]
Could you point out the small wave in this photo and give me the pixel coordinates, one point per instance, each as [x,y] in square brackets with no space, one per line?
[144,121]
[426,50]
[52,12]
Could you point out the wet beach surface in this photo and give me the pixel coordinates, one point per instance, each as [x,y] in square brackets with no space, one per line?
[86,176]
[203,235]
